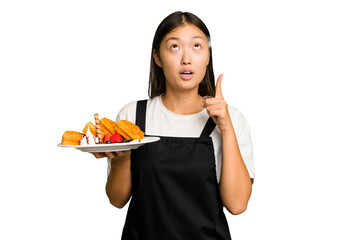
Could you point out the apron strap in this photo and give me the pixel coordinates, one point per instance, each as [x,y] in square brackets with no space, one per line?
[141,114]
[209,127]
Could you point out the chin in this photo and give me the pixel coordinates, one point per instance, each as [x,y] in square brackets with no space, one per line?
[188,86]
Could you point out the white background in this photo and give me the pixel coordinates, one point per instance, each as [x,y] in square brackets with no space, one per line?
[291,67]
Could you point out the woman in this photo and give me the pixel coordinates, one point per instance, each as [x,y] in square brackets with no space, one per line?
[180,184]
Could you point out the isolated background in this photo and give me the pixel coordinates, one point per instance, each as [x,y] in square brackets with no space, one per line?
[291,67]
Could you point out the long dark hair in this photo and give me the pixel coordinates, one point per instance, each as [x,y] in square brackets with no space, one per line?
[157,77]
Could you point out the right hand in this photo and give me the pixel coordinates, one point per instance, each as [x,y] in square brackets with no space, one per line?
[114,156]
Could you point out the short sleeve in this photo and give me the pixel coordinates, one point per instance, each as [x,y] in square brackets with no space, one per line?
[243,135]
[128,112]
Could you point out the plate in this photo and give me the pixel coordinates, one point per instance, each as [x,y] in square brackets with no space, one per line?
[113,147]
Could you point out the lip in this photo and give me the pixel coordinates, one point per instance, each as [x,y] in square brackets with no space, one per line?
[186,74]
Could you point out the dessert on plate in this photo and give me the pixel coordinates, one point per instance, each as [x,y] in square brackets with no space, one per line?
[105,131]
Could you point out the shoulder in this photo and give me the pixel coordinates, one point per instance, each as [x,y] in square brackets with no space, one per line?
[128,111]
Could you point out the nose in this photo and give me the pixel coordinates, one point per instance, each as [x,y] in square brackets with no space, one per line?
[186,58]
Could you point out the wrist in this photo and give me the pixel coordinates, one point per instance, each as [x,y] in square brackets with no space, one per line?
[228,130]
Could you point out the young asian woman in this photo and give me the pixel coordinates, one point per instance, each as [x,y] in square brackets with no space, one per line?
[203,162]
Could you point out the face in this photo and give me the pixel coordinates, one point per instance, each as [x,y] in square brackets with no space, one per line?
[183,56]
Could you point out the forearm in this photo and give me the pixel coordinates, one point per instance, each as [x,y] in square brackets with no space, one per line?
[118,186]
[235,183]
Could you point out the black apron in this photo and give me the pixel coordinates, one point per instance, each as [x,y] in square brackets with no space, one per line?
[175,193]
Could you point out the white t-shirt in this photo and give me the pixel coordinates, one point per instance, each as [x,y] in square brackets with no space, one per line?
[162,122]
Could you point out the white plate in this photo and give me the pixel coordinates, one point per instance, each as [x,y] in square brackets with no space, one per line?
[113,147]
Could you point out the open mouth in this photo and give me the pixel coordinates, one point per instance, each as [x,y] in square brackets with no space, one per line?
[186,74]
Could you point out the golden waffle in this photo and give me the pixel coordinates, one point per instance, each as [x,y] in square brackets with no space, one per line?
[121,132]
[107,125]
[130,129]
[71,138]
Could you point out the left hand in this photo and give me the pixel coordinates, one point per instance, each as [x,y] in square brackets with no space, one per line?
[217,107]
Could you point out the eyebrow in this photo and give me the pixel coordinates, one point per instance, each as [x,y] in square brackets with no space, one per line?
[176,38]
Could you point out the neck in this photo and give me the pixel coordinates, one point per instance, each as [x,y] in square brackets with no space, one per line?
[183,103]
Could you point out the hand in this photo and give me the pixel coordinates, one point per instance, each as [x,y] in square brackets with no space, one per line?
[114,156]
[217,108]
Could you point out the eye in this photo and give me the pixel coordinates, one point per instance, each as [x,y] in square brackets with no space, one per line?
[174,47]
[197,46]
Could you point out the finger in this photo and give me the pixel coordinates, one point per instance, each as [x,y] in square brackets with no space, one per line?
[218,91]
[98,154]
[213,110]
[211,101]
[119,153]
[110,155]
[122,153]
[204,99]
[215,101]
[215,113]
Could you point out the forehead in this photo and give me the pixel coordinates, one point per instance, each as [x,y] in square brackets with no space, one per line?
[185,32]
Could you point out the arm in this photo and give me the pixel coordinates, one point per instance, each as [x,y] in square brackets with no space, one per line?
[235,183]
[118,186]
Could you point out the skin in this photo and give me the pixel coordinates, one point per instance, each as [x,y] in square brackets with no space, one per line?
[186,47]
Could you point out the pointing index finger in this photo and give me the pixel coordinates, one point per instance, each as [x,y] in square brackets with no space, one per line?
[218,91]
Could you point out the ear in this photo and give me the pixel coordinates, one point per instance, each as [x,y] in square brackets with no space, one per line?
[157,58]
